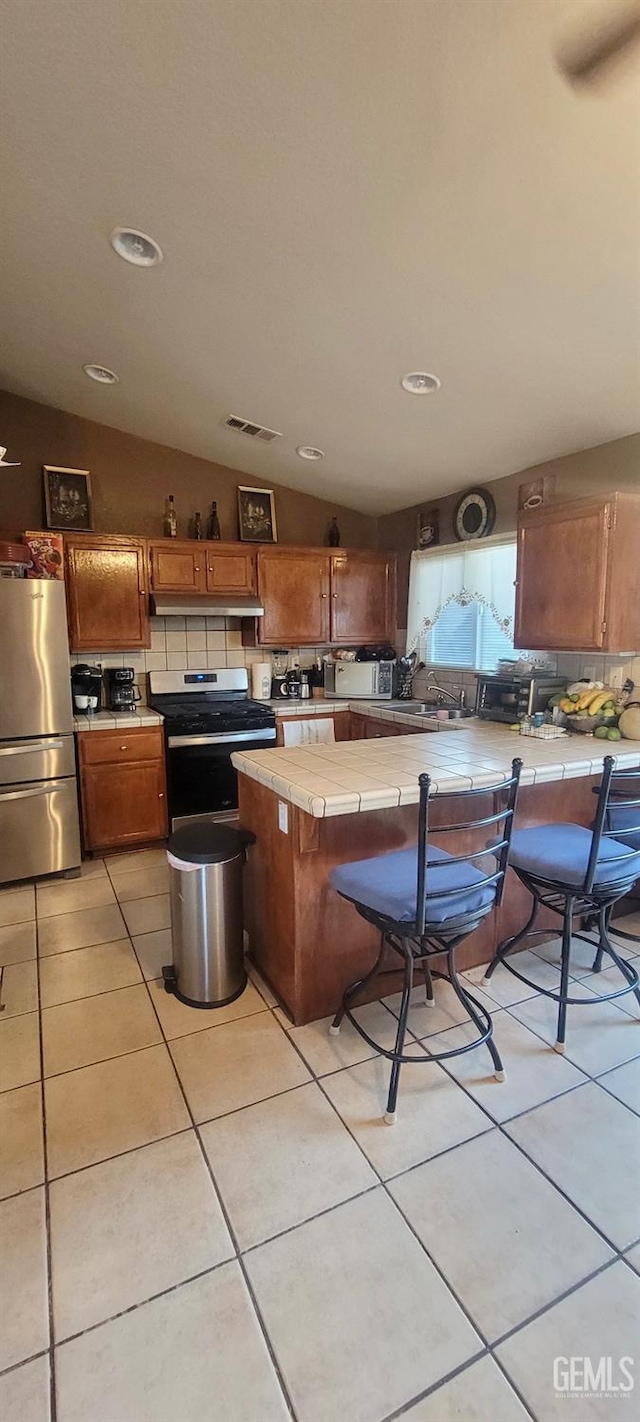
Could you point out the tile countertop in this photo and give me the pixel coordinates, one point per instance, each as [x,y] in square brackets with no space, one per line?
[381,710]
[351,776]
[315,706]
[109,721]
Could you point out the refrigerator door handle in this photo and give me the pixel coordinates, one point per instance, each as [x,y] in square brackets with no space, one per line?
[45,789]
[27,746]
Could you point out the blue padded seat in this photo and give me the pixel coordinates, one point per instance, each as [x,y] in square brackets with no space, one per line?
[561,853]
[387,885]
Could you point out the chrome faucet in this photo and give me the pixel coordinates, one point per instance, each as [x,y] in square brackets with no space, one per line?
[458,700]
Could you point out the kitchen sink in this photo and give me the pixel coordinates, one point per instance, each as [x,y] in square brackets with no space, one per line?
[429,708]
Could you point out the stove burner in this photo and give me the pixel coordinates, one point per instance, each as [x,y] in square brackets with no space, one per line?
[205,712]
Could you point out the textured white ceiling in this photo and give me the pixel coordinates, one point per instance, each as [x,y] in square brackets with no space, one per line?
[344,190]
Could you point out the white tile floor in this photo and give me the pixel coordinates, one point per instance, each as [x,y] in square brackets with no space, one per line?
[204,1219]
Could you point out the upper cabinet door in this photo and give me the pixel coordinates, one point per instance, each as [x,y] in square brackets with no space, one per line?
[178,567]
[230,569]
[363,597]
[107,593]
[561,581]
[294,587]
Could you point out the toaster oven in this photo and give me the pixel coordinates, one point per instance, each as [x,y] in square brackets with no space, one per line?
[500,698]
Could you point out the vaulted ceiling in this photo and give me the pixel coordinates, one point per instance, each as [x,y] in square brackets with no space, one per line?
[344,191]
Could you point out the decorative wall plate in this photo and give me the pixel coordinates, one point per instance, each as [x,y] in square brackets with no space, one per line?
[474,515]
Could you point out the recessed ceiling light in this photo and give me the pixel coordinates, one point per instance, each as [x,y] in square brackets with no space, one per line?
[419,382]
[307,451]
[136,247]
[102,374]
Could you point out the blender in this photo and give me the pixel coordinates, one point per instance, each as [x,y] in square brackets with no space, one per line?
[279,684]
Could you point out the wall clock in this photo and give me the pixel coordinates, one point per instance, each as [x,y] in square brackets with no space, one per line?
[475,515]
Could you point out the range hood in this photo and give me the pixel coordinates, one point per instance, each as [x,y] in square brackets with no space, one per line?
[176,605]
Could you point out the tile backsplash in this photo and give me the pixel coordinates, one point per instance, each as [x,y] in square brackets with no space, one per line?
[185,643]
[575,666]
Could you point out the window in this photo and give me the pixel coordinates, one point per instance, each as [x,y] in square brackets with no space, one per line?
[467,637]
[461,605]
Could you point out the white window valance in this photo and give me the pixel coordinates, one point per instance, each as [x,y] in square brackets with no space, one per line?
[483,573]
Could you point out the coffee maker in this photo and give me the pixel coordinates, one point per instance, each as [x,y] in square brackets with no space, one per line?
[122,692]
[86,689]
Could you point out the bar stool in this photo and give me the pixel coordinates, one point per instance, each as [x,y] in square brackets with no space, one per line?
[426,902]
[578,872]
[620,821]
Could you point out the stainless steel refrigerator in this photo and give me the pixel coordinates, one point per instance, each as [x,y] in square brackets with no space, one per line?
[39,826]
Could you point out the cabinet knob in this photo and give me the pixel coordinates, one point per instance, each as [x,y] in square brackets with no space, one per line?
[335,594]
[123,747]
[323,594]
[197,569]
[142,592]
[161,794]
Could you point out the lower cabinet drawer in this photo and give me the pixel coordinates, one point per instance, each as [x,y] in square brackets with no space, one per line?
[101,747]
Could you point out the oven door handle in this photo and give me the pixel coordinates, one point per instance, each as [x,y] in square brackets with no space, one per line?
[225,738]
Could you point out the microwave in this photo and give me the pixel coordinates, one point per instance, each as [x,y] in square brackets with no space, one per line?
[502,698]
[353,679]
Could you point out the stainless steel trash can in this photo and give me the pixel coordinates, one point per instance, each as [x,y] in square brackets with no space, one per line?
[206,915]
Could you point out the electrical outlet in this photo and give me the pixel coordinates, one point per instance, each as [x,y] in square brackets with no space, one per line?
[616,679]
[589,673]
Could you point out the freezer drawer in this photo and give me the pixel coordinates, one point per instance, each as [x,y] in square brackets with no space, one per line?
[39,830]
[39,758]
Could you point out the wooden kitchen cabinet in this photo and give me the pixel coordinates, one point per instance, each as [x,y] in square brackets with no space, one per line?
[369,728]
[294,585]
[193,567]
[177,567]
[107,593]
[363,597]
[230,569]
[578,576]
[122,787]
[312,597]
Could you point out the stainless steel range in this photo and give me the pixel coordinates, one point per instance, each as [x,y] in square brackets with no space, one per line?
[207,715]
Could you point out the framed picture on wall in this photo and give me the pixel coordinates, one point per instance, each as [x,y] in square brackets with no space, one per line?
[257,515]
[67,497]
[536,493]
[428,527]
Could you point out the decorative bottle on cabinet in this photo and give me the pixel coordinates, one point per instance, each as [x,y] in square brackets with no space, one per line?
[213,525]
[334,534]
[197,526]
[170,520]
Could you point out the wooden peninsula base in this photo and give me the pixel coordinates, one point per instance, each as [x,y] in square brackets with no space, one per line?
[308,943]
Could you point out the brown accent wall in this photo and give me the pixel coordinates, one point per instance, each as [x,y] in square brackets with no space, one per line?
[598,470]
[131,477]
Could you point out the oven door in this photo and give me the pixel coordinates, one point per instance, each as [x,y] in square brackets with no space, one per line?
[202,783]
[498,700]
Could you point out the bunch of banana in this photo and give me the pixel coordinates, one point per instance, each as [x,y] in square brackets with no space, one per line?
[593,701]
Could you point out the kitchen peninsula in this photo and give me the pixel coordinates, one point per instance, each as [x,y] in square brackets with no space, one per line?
[313,807]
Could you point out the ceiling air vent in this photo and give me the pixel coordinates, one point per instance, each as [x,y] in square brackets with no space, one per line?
[248,427]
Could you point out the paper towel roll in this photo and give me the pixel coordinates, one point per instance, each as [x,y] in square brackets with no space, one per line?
[261,681]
